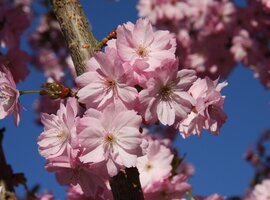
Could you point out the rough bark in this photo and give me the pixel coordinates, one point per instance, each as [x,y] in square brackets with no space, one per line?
[81,42]
[76,30]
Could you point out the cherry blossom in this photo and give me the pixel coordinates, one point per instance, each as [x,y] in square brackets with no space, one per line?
[198,12]
[16,59]
[70,170]
[222,26]
[9,96]
[147,8]
[49,64]
[105,82]
[155,166]
[242,44]
[169,189]
[166,97]
[141,42]
[262,191]
[266,3]
[59,130]
[208,111]
[111,136]
[49,55]
[76,193]
[46,104]
[11,31]
[138,76]
[45,196]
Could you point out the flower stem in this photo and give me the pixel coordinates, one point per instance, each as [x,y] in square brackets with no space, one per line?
[189,195]
[30,92]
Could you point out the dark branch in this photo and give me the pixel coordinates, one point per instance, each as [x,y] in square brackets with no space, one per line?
[6,174]
[126,185]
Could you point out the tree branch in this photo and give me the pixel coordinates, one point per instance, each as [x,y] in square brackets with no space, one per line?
[126,185]
[6,174]
[76,30]
[81,42]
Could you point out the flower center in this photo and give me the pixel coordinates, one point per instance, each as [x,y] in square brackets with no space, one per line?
[109,138]
[142,52]
[148,166]
[194,109]
[77,171]
[5,93]
[63,135]
[165,92]
[110,84]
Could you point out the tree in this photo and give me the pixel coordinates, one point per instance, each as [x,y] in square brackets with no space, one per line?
[135,77]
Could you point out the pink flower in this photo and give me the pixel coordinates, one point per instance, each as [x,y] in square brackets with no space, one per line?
[147,8]
[262,191]
[46,104]
[11,31]
[242,44]
[265,3]
[205,62]
[59,130]
[9,96]
[69,170]
[111,136]
[155,166]
[140,42]
[225,15]
[76,193]
[186,169]
[49,63]
[105,82]
[208,111]
[198,12]
[173,10]
[158,10]
[170,189]
[45,196]
[166,97]
[16,59]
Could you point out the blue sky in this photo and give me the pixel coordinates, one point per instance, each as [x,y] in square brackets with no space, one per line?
[218,160]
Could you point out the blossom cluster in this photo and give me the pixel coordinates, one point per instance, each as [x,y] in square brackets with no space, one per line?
[145,58]
[9,96]
[213,36]
[13,59]
[50,54]
[137,81]
[11,55]
[259,192]
[162,75]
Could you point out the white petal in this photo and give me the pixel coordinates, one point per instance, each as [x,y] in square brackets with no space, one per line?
[166,112]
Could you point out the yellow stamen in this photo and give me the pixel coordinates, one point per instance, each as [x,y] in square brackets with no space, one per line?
[142,51]
[165,92]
